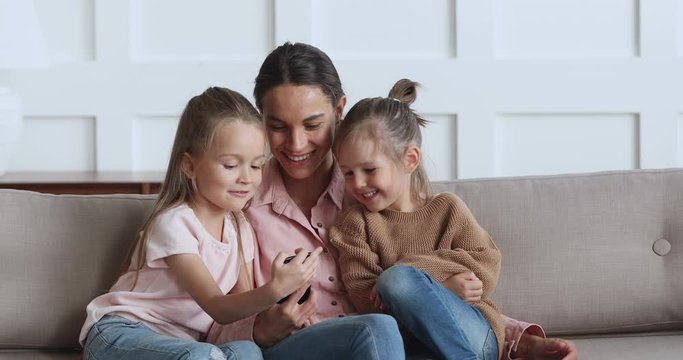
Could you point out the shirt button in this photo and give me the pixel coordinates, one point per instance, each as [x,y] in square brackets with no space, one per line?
[334,302]
[331,278]
[320,225]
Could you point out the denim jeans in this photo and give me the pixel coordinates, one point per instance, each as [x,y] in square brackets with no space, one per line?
[442,323]
[362,337]
[115,337]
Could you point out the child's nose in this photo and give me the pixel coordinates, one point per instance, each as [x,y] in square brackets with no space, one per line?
[358,182]
[245,176]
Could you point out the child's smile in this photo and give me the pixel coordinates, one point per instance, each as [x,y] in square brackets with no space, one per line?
[374,179]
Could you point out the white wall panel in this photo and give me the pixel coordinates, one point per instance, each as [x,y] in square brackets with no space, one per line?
[439,154]
[68,27]
[678,16]
[584,67]
[152,141]
[201,30]
[565,28]
[552,143]
[55,144]
[385,28]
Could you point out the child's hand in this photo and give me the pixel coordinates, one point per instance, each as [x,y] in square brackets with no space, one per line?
[288,277]
[376,300]
[466,286]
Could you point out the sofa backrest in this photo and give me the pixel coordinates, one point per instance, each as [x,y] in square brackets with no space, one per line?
[57,253]
[586,253]
[579,253]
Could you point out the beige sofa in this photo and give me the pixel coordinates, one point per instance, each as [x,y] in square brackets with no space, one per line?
[594,257]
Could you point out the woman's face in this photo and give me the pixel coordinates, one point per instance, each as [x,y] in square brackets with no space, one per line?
[300,122]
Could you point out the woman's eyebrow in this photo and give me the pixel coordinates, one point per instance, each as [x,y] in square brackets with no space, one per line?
[308,118]
[314,117]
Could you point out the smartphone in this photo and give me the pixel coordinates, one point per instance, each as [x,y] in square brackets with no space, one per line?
[303,297]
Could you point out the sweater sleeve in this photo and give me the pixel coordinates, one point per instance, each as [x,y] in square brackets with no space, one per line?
[466,247]
[359,264]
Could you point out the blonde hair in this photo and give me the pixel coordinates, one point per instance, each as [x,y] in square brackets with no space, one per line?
[201,119]
[393,125]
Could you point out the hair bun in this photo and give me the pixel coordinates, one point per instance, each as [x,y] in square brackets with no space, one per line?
[404,90]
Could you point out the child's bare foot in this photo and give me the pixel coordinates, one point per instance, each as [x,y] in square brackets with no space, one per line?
[533,347]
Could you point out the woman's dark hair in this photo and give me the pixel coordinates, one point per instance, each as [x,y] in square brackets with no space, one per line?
[298,64]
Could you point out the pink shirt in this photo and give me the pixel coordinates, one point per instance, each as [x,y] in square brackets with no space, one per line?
[280,225]
[157,300]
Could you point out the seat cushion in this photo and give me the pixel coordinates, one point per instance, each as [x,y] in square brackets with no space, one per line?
[635,347]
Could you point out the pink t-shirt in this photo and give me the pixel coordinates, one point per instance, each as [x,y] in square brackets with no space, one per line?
[157,300]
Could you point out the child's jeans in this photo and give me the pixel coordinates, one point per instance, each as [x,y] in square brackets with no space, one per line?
[115,337]
[441,322]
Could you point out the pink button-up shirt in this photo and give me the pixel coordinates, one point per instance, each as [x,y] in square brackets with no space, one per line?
[281,226]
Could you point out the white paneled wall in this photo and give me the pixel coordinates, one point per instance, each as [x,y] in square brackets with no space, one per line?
[57,143]
[216,30]
[69,29]
[152,141]
[564,29]
[399,29]
[552,143]
[512,87]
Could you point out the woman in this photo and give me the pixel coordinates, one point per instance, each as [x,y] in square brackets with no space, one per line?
[300,96]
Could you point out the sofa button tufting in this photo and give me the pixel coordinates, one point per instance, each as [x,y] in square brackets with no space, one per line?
[661,247]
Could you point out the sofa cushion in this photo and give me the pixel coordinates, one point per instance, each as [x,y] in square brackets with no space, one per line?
[578,253]
[636,347]
[38,355]
[582,254]
[58,253]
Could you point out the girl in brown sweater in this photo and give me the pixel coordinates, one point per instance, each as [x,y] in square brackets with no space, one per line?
[399,243]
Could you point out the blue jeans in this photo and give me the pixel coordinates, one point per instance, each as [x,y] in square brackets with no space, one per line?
[363,337]
[115,337]
[439,320]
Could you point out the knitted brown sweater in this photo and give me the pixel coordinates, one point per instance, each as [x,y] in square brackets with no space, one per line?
[442,238]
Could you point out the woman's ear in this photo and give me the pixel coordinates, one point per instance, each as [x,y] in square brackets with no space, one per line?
[339,109]
[411,158]
[187,166]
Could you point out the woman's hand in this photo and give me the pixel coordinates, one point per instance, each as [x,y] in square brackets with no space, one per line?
[466,286]
[280,320]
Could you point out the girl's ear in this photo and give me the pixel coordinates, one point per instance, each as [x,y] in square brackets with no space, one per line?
[187,166]
[411,158]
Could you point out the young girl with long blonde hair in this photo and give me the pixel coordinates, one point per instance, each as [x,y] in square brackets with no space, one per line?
[192,261]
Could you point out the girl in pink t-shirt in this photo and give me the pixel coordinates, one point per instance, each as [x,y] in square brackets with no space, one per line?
[192,261]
